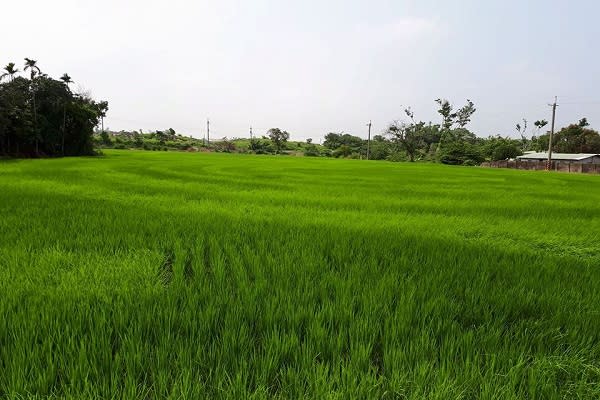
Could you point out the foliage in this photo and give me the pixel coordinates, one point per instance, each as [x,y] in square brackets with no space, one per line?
[497,148]
[539,124]
[460,118]
[574,138]
[278,137]
[259,146]
[577,138]
[457,144]
[522,131]
[41,116]
[342,151]
[459,152]
[408,136]
[311,150]
[380,148]
[352,144]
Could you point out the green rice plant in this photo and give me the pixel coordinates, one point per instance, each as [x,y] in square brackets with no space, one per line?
[176,275]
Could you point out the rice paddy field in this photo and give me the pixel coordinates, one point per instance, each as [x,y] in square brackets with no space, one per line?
[148,275]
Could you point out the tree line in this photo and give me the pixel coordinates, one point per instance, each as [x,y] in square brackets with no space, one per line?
[42,116]
[408,139]
[451,142]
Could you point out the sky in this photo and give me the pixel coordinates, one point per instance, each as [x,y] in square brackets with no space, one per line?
[312,67]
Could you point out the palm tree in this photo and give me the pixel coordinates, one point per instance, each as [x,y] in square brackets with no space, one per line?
[67,80]
[10,72]
[31,65]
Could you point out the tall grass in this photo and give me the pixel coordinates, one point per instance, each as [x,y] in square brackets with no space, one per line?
[161,275]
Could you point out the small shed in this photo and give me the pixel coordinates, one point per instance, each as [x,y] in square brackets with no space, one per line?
[579,158]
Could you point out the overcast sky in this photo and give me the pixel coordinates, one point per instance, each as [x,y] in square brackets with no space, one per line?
[314,66]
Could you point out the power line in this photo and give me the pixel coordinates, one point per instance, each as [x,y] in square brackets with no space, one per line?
[580,102]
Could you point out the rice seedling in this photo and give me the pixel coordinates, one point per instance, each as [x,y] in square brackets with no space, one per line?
[169,275]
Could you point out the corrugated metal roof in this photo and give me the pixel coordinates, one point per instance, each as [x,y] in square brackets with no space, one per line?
[558,156]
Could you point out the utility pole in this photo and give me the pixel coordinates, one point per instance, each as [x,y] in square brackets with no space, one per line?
[369,141]
[208,131]
[549,163]
[250,132]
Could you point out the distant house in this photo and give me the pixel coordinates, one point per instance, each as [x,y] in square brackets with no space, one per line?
[579,158]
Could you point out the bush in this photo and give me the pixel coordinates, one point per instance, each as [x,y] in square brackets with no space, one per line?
[505,151]
[260,146]
[379,151]
[311,151]
[458,152]
[105,138]
[342,151]
[397,156]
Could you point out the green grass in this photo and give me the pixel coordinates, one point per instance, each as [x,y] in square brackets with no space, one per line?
[171,275]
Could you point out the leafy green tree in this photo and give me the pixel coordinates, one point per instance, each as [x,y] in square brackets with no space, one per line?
[445,111]
[260,146]
[464,114]
[138,140]
[278,137]
[105,138]
[311,150]
[455,138]
[16,126]
[461,117]
[342,151]
[381,148]
[459,152]
[577,138]
[408,136]
[506,151]
[41,116]
[497,148]
[333,140]
[355,144]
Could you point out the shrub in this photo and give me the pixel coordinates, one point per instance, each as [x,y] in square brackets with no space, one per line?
[311,150]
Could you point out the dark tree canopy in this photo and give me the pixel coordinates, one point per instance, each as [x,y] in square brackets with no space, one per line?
[41,116]
[577,138]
